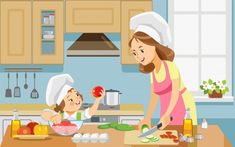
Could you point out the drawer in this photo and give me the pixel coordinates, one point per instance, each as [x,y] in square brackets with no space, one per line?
[93,16]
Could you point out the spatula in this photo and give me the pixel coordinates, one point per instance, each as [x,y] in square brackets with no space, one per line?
[8,90]
[34,93]
[17,88]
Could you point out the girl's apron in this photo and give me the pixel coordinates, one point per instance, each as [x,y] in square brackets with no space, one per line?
[164,90]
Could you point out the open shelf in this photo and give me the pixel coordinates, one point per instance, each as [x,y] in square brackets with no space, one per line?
[205,99]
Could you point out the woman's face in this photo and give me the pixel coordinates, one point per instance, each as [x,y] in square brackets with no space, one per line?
[73,101]
[143,53]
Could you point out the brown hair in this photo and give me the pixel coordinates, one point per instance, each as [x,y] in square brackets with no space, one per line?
[60,107]
[163,52]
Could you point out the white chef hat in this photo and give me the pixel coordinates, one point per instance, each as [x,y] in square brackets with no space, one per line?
[57,88]
[154,25]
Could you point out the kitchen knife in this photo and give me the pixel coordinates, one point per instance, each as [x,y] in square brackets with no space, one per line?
[153,129]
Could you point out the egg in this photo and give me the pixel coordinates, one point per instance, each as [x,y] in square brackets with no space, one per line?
[104,137]
[94,137]
[77,138]
[86,137]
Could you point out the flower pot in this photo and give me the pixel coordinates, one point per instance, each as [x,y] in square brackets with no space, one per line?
[215,95]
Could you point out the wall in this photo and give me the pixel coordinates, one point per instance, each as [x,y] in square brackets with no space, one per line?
[108,72]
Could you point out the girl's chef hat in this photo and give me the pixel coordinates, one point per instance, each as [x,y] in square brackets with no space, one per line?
[154,25]
[57,88]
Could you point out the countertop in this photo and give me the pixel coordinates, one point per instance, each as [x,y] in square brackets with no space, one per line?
[36,109]
[213,137]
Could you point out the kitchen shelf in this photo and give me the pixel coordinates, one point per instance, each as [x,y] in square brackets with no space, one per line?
[48,40]
[48,25]
[205,99]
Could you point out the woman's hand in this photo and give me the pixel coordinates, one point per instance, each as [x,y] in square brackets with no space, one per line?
[165,120]
[56,119]
[144,121]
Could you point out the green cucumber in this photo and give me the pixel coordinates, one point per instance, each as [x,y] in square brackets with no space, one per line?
[150,137]
[124,127]
[145,140]
[104,126]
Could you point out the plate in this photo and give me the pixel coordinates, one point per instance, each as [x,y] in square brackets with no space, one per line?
[38,137]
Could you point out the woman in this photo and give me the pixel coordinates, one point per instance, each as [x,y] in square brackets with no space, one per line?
[149,47]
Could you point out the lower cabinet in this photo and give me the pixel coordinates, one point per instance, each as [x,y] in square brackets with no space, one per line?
[5,121]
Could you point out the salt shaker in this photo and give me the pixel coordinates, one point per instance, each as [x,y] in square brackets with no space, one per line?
[204,124]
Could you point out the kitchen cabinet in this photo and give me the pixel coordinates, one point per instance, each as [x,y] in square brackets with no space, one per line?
[5,121]
[16,32]
[92,16]
[48,42]
[129,9]
[25,39]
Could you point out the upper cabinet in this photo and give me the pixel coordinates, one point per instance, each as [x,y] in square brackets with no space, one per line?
[92,16]
[16,32]
[32,32]
[129,9]
[48,42]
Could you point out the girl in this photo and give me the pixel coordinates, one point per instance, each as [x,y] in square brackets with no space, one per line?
[157,60]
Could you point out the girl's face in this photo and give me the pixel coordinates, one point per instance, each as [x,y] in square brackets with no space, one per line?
[73,101]
[143,53]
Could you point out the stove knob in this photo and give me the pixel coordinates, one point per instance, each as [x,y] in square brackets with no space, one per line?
[104,119]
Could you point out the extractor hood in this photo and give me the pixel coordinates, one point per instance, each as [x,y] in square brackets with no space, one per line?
[93,44]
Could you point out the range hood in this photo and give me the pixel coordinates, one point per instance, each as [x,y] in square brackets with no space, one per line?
[93,44]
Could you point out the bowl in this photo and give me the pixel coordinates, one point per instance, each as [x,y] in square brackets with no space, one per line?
[66,127]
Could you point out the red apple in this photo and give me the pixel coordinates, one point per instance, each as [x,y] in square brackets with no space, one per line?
[97,90]
[31,126]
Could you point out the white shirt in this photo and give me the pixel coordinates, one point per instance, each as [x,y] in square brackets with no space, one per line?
[84,114]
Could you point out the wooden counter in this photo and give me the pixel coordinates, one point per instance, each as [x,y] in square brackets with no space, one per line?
[36,109]
[213,137]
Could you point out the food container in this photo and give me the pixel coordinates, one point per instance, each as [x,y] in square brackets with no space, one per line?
[66,127]
[52,19]
[112,97]
[45,20]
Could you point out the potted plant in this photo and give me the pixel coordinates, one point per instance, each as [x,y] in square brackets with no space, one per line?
[214,89]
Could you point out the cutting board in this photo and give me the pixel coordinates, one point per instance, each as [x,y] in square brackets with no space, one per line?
[131,138]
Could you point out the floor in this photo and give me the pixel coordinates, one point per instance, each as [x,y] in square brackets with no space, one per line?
[227,126]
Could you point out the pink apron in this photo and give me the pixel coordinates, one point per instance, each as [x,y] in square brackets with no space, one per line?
[164,90]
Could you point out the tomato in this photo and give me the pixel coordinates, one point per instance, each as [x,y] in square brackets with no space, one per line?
[65,123]
[176,140]
[31,125]
[24,131]
[97,90]
[168,133]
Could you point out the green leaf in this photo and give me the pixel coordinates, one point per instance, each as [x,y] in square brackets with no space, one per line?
[223,92]
[224,82]
[201,87]
[206,92]
[204,82]
[210,91]
[217,90]
[210,81]
[227,89]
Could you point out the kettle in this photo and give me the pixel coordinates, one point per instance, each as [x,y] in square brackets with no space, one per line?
[112,97]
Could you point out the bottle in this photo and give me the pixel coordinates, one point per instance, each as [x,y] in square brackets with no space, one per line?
[15,123]
[188,124]
[204,123]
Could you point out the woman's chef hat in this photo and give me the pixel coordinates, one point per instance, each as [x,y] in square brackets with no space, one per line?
[57,88]
[154,25]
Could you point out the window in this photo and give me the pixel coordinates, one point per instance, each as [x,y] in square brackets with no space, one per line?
[202,40]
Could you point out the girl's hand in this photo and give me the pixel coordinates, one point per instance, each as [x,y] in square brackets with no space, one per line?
[165,120]
[144,121]
[56,119]
[102,93]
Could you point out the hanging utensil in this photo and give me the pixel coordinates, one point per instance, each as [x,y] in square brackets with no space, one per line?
[17,88]
[8,90]
[34,93]
[25,85]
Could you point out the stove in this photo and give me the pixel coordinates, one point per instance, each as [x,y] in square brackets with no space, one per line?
[101,106]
